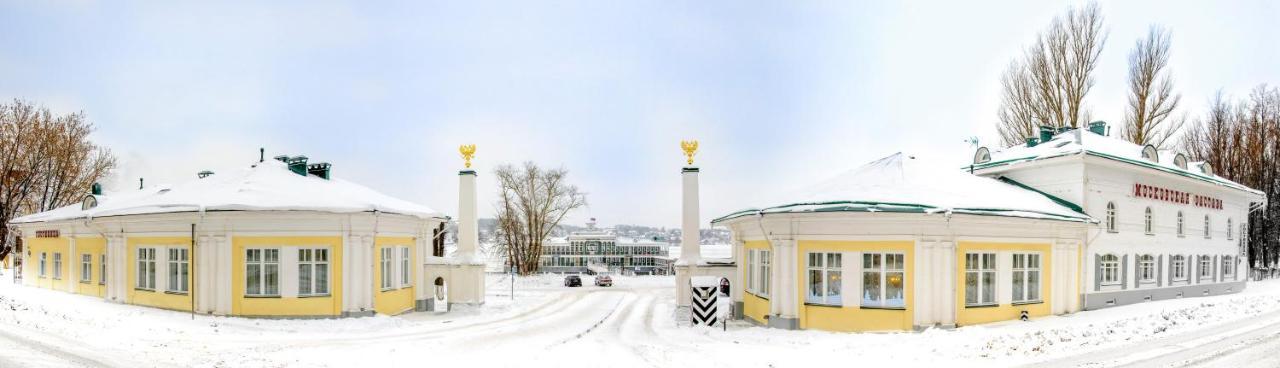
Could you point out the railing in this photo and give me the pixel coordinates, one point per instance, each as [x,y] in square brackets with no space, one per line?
[1259,274]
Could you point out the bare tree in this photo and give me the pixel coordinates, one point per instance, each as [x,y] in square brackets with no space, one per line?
[1151,98]
[1047,86]
[46,161]
[531,202]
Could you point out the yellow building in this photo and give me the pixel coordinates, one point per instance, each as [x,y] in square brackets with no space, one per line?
[898,244]
[280,238]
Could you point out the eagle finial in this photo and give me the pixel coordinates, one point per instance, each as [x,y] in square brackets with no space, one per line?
[690,148]
[467,151]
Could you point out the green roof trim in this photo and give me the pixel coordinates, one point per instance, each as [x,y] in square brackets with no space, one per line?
[1055,199]
[892,207]
[1146,164]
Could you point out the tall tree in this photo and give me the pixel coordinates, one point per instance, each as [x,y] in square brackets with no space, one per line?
[1149,117]
[46,161]
[1048,84]
[531,203]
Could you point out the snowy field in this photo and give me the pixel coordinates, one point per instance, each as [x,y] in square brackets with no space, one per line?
[633,324]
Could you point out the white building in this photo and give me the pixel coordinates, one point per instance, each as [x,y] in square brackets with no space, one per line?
[601,250]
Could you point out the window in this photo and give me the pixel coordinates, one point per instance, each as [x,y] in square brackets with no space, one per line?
[313,272]
[763,272]
[1110,267]
[86,267]
[102,269]
[1179,268]
[979,279]
[1146,268]
[1150,229]
[1206,227]
[387,263]
[146,269]
[1229,230]
[262,272]
[1205,270]
[883,280]
[1181,225]
[824,279]
[1026,278]
[179,268]
[57,266]
[752,285]
[1111,217]
[43,261]
[1227,267]
[405,271]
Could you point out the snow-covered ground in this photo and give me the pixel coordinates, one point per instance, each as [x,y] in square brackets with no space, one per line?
[633,324]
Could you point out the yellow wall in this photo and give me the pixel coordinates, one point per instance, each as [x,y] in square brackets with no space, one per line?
[1005,311]
[394,301]
[280,306]
[157,298]
[852,317]
[31,263]
[753,307]
[94,247]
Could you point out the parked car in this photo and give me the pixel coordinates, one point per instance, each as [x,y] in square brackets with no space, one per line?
[572,281]
[604,280]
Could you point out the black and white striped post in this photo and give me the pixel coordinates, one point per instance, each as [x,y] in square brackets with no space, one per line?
[706,293]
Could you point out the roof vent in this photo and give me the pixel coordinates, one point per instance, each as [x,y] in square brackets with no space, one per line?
[982,156]
[1180,161]
[298,165]
[89,202]
[282,158]
[95,189]
[1046,133]
[1032,141]
[204,174]
[320,169]
[1206,169]
[1150,154]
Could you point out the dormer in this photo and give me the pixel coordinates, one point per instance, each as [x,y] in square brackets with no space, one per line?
[1150,153]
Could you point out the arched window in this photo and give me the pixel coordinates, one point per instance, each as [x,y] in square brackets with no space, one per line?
[1206,227]
[1110,267]
[1111,217]
[1229,231]
[1147,268]
[1181,225]
[1150,229]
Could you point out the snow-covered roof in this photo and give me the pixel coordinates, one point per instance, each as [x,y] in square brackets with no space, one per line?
[267,186]
[1084,141]
[903,183]
[706,251]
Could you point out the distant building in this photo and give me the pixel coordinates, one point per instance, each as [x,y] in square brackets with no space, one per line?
[599,250]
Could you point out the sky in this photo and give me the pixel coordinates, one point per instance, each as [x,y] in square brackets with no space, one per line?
[779,94]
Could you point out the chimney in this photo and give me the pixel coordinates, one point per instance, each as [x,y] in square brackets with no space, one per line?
[1046,133]
[139,183]
[95,189]
[204,174]
[320,169]
[298,165]
[1032,141]
[1098,127]
[262,154]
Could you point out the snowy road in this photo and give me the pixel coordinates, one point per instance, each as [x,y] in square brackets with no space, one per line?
[631,325]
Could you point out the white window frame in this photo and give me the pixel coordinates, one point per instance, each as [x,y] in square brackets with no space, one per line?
[263,264]
[405,268]
[311,260]
[980,264]
[751,271]
[1228,269]
[102,269]
[1182,227]
[883,273]
[1109,267]
[825,269]
[1146,268]
[765,263]
[86,268]
[1206,267]
[178,280]
[1111,218]
[1179,268]
[44,263]
[388,262]
[1026,270]
[146,269]
[57,265]
[1148,225]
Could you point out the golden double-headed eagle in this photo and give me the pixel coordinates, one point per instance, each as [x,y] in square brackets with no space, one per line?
[467,151]
[690,148]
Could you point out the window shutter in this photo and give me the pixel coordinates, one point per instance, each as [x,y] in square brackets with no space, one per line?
[1216,278]
[1171,270]
[1195,269]
[1097,272]
[1124,272]
[1160,270]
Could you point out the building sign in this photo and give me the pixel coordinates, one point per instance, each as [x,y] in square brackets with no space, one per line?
[1175,196]
[47,234]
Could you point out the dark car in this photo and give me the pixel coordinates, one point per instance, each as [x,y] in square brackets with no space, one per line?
[604,280]
[572,281]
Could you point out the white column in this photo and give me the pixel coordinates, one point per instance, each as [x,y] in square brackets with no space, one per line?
[117,260]
[946,282]
[223,282]
[690,250]
[288,272]
[467,235]
[73,260]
